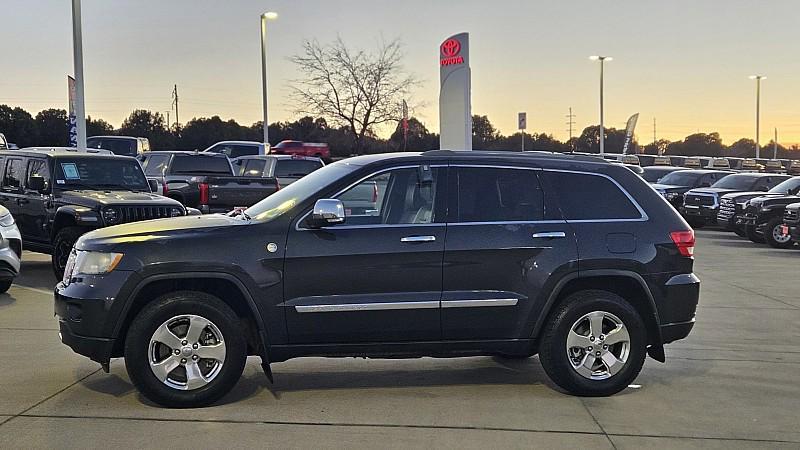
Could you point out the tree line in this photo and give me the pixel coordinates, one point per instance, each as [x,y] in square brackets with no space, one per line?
[50,128]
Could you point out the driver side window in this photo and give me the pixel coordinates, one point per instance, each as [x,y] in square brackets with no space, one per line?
[399,196]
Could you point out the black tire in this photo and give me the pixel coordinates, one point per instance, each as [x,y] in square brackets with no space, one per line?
[62,246]
[752,233]
[770,229]
[740,231]
[5,285]
[162,310]
[553,352]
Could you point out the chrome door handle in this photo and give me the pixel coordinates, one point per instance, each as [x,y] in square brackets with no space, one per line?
[418,239]
[550,234]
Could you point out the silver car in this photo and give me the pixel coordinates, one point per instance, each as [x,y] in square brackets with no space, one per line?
[10,249]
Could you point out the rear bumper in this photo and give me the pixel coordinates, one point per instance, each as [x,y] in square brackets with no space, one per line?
[677,304]
[671,332]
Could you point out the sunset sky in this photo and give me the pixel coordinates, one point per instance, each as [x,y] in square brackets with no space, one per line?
[685,63]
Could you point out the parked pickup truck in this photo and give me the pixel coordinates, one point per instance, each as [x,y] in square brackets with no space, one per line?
[303,149]
[235,149]
[287,169]
[791,219]
[204,180]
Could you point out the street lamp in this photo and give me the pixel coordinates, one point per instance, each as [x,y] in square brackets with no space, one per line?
[264,18]
[602,59]
[758,79]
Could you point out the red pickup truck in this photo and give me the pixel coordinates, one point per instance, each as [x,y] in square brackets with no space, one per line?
[302,149]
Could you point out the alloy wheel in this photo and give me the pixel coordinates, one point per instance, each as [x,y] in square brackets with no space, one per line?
[598,345]
[186,352]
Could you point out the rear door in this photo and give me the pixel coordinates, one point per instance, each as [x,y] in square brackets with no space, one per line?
[33,211]
[11,195]
[502,247]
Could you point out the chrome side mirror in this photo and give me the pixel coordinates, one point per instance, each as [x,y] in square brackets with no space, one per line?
[327,211]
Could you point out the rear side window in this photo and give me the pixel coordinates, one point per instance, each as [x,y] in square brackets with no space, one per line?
[155,165]
[295,167]
[38,167]
[498,195]
[201,164]
[13,174]
[126,147]
[590,197]
[253,167]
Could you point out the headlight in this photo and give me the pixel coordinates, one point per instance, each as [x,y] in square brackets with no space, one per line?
[110,215]
[95,263]
[175,212]
[7,220]
[672,195]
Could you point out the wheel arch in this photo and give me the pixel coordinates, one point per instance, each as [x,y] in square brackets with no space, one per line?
[224,286]
[74,216]
[627,284]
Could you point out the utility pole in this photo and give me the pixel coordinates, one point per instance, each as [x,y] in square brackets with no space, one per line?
[570,122]
[175,104]
[168,124]
[775,145]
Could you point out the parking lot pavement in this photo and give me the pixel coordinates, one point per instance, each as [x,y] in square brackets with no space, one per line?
[732,383]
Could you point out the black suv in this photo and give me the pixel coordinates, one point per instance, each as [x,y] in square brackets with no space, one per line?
[732,206]
[464,253]
[763,216]
[57,194]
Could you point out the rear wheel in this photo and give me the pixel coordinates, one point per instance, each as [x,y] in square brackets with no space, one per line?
[773,234]
[752,233]
[185,349]
[5,285]
[594,344]
[62,246]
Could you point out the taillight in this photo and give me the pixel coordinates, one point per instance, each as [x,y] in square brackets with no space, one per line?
[203,193]
[684,240]
[277,185]
[164,187]
[375,193]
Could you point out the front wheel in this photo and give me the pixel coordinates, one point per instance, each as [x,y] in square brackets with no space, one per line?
[5,285]
[773,234]
[752,233]
[740,231]
[62,246]
[594,344]
[185,350]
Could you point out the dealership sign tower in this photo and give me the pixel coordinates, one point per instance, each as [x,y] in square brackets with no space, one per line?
[455,110]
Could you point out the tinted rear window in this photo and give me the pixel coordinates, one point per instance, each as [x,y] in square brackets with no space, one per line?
[295,167]
[499,195]
[590,197]
[200,164]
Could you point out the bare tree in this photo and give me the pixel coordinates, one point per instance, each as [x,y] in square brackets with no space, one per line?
[352,88]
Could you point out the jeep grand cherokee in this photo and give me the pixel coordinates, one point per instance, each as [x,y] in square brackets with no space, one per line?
[465,253]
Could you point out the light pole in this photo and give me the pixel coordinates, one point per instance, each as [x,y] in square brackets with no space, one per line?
[602,59]
[77,55]
[264,17]
[758,79]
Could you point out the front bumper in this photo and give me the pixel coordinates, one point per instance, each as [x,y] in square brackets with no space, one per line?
[9,263]
[96,349]
[707,213]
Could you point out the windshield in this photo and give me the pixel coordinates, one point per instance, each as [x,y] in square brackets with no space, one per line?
[736,182]
[653,174]
[125,147]
[299,191]
[681,178]
[100,173]
[792,184]
[201,164]
[295,167]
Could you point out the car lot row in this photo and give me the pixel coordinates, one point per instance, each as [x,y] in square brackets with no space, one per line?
[761,207]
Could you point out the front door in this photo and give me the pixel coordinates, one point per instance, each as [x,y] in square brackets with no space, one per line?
[502,247]
[378,276]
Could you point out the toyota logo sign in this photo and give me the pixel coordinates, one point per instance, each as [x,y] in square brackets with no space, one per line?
[450,50]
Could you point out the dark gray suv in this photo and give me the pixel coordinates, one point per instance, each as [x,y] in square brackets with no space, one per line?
[463,253]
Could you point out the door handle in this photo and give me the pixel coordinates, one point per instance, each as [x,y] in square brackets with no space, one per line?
[550,235]
[418,239]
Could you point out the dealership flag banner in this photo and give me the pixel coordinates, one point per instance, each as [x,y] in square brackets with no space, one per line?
[455,110]
[629,132]
[73,123]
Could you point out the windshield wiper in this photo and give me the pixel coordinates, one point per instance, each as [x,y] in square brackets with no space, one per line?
[90,187]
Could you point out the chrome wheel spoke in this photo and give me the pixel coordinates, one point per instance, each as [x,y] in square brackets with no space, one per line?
[613,365]
[163,335]
[596,323]
[196,326]
[163,368]
[585,367]
[576,340]
[216,352]
[619,334]
[194,377]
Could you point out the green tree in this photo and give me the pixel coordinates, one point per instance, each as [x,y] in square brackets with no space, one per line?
[484,134]
[52,127]
[144,123]
[589,140]
[200,133]
[98,127]
[419,138]
[18,126]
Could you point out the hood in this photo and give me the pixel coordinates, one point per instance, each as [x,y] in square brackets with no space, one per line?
[771,200]
[157,230]
[669,188]
[92,199]
[740,197]
[711,191]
